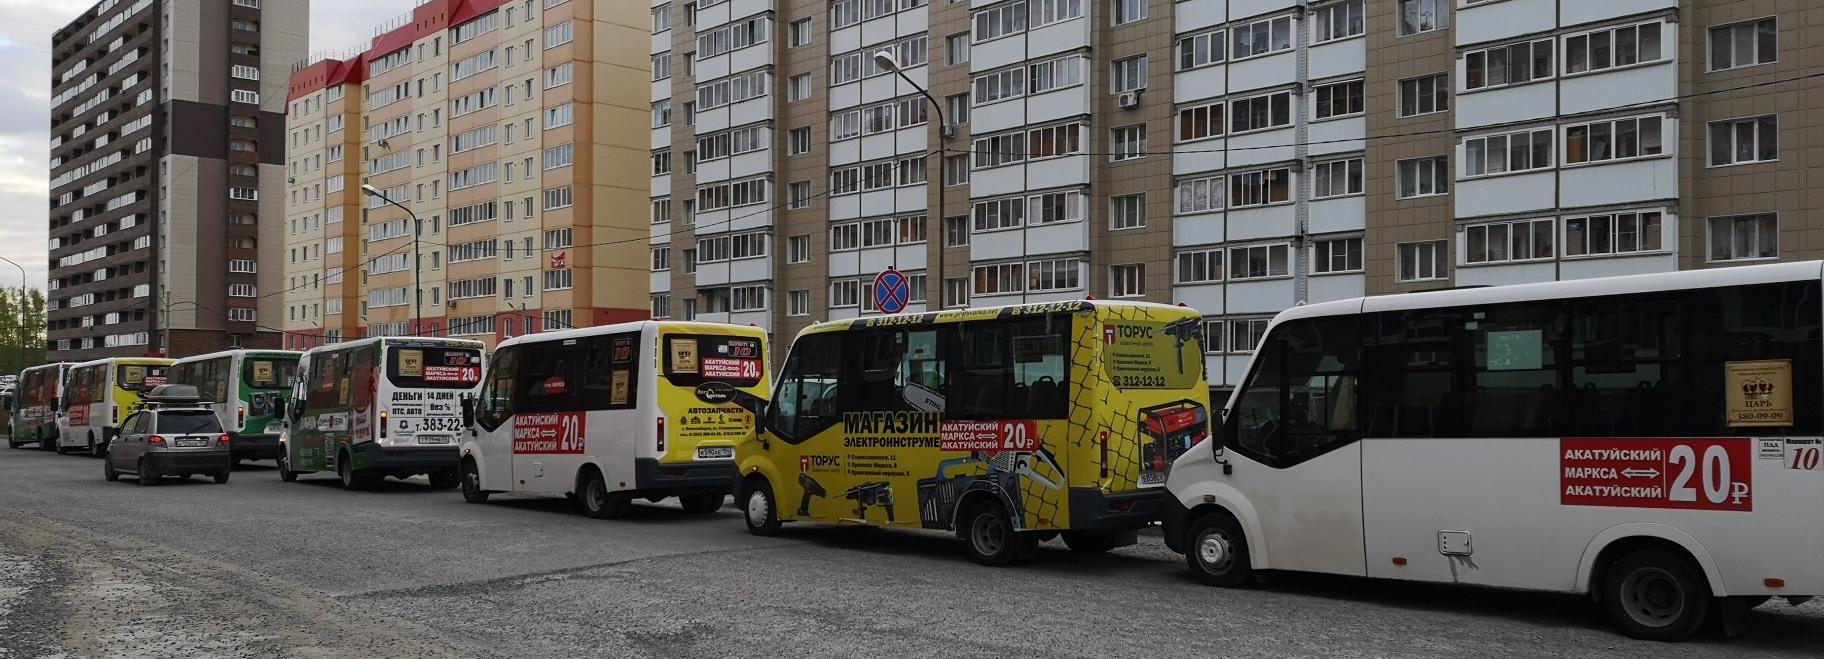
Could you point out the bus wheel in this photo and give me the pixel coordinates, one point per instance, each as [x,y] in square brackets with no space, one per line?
[1089,542]
[992,541]
[702,504]
[92,451]
[221,478]
[471,483]
[1218,552]
[285,472]
[598,502]
[147,475]
[1655,595]
[351,479]
[759,508]
[445,479]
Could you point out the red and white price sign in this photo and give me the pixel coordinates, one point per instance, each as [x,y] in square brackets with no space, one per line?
[548,433]
[459,374]
[1018,435]
[1684,473]
[731,369]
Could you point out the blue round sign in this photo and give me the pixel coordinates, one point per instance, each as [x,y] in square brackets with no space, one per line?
[891,291]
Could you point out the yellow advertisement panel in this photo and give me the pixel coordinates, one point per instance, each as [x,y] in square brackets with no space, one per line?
[1759,393]
[712,381]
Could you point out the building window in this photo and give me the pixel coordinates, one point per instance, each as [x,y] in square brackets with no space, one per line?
[1744,237]
[1127,211]
[1423,261]
[1259,262]
[1508,65]
[1425,95]
[799,87]
[1198,195]
[1200,50]
[845,293]
[798,249]
[956,49]
[661,259]
[1742,141]
[1260,188]
[1422,177]
[661,306]
[1337,178]
[1618,233]
[1513,152]
[1503,242]
[999,279]
[1337,21]
[1200,121]
[1200,267]
[1127,142]
[1127,280]
[1612,48]
[1129,74]
[1261,37]
[1128,11]
[1339,99]
[956,231]
[1337,255]
[798,141]
[1748,43]
[956,170]
[801,32]
[242,290]
[1418,16]
[956,292]
[245,96]
[1613,139]
[798,303]
[1054,275]
[1260,112]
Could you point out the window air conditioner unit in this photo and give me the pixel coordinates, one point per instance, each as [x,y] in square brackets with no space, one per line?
[1128,100]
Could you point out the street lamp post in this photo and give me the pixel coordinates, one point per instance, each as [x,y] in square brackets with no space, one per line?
[417,293]
[886,60]
[22,284]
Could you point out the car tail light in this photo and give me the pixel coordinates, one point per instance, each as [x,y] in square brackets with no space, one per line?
[383,417]
[156,441]
[221,440]
[1102,440]
[661,431]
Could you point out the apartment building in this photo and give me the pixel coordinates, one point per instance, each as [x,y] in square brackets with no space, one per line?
[506,144]
[1236,156]
[166,174]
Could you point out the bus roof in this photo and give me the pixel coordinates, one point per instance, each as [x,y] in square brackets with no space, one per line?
[399,340]
[130,361]
[1576,288]
[675,325]
[983,313]
[56,365]
[244,351]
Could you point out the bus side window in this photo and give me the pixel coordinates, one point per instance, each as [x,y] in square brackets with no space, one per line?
[547,379]
[805,402]
[601,373]
[497,391]
[1301,399]
[360,365]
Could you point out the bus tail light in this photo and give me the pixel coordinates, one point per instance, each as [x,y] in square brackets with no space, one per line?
[114,415]
[1774,583]
[156,440]
[240,415]
[1102,440]
[661,430]
[221,440]
[383,418]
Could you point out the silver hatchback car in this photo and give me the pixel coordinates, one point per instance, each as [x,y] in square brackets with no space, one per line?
[174,434]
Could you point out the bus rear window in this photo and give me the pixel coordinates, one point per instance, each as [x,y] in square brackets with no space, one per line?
[433,367]
[135,377]
[184,422]
[691,359]
[270,373]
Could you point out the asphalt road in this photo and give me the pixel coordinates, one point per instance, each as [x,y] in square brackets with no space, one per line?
[262,568]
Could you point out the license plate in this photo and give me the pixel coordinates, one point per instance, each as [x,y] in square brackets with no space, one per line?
[433,439]
[1149,478]
[715,452]
[192,442]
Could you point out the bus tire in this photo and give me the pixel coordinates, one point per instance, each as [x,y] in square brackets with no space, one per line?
[352,479]
[989,535]
[1216,549]
[1089,542]
[1654,594]
[445,479]
[285,472]
[597,501]
[471,483]
[702,504]
[221,478]
[759,508]
[93,453]
[12,442]
[147,475]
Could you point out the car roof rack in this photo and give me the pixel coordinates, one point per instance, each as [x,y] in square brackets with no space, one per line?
[172,395]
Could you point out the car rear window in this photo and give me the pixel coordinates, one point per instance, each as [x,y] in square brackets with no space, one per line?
[186,422]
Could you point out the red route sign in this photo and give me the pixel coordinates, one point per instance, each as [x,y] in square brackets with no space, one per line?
[991,437]
[731,369]
[548,433]
[1674,473]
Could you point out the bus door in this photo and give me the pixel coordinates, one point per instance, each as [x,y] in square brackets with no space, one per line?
[1296,446]
[548,437]
[494,428]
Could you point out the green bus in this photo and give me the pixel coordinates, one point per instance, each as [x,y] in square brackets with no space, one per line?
[248,390]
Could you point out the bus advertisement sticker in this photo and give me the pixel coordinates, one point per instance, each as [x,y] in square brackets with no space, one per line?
[1681,473]
[683,355]
[548,433]
[1803,453]
[725,368]
[411,363]
[1771,448]
[1758,393]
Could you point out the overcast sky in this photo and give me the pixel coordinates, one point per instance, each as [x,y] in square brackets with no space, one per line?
[25,91]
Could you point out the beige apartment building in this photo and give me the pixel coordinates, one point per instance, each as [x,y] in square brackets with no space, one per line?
[504,146]
[1236,156]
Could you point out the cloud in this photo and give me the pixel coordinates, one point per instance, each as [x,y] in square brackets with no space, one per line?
[25,83]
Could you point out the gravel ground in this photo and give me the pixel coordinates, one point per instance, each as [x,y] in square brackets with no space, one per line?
[263,568]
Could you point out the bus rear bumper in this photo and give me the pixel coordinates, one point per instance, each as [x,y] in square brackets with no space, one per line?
[1093,509]
[671,479]
[255,447]
[406,461]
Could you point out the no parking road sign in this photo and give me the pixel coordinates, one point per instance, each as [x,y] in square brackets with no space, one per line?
[891,291]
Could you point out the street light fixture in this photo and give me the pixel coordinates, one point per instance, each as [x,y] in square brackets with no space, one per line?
[887,61]
[22,284]
[417,228]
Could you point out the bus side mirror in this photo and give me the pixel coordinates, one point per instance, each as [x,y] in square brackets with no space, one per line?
[468,411]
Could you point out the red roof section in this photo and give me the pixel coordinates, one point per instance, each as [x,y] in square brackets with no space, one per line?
[429,18]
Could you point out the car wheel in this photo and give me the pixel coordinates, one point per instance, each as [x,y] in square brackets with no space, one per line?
[759,510]
[1656,595]
[598,502]
[1089,542]
[107,471]
[147,475]
[702,504]
[221,478]
[990,537]
[445,479]
[471,485]
[1217,552]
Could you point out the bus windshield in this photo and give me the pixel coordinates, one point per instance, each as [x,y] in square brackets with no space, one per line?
[691,359]
[433,367]
[269,372]
[140,377]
